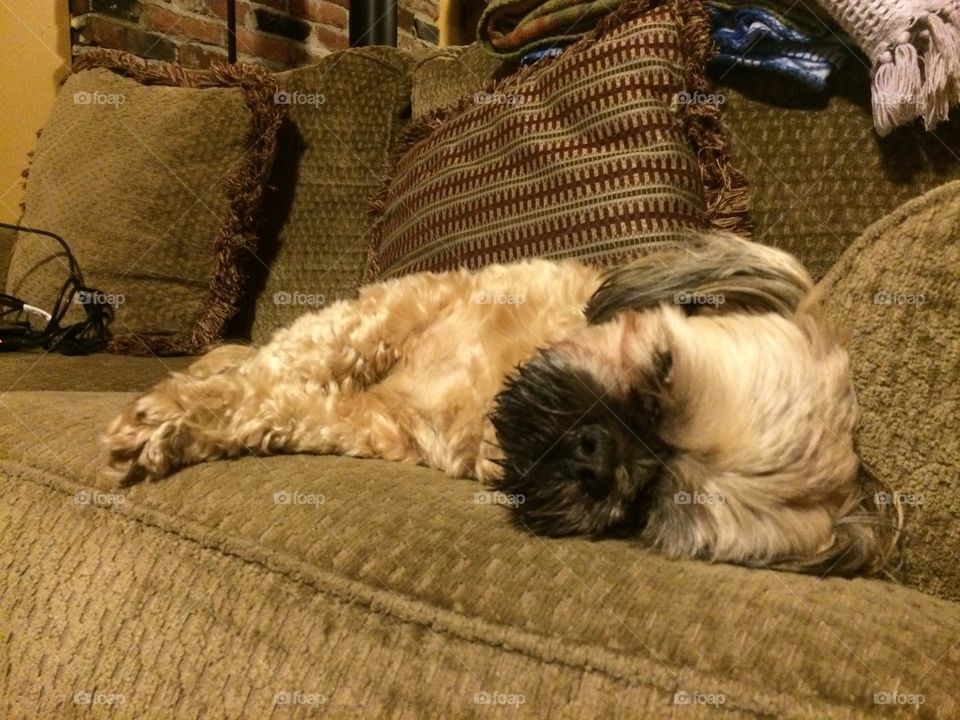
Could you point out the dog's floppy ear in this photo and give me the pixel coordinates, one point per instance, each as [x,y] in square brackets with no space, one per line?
[717,272]
[867,537]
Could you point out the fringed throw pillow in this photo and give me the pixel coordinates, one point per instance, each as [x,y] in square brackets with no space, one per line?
[611,149]
[154,176]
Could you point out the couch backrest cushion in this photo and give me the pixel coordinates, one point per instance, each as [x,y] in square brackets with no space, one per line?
[896,289]
[819,175]
[611,149]
[154,177]
[442,76]
[343,114]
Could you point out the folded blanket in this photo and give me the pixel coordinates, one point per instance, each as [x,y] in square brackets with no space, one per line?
[776,38]
[914,48]
[513,28]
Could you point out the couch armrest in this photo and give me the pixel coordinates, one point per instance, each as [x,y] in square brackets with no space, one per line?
[896,290]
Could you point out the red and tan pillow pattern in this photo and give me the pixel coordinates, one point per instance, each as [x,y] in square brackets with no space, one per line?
[154,176]
[611,149]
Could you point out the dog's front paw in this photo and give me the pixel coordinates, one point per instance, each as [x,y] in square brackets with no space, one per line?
[144,441]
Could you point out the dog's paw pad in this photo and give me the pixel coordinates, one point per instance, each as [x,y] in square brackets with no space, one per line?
[142,444]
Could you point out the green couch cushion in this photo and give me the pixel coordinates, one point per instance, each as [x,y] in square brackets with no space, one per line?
[343,113]
[154,177]
[440,77]
[819,175]
[390,589]
[38,370]
[896,289]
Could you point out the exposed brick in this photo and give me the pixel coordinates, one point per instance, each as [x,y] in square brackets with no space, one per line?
[172,23]
[427,8]
[404,18]
[218,9]
[426,31]
[277,24]
[331,39]
[266,46]
[320,11]
[125,9]
[107,32]
[406,41]
[277,33]
[200,56]
[271,65]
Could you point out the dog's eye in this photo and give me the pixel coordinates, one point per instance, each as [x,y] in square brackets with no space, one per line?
[586,475]
[588,444]
[644,406]
[662,365]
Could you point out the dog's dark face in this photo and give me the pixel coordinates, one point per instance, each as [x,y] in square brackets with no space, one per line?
[579,454]
[722,432]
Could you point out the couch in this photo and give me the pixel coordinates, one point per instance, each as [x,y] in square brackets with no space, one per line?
[372,589]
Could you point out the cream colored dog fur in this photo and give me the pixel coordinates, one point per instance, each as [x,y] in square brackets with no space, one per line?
[731,389]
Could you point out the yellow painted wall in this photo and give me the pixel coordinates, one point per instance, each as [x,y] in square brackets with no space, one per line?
[34,57]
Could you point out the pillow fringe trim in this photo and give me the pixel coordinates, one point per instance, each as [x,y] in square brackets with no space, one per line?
[245,187]
[725,187]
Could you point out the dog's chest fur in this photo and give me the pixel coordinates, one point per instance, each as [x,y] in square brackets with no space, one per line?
[494,321]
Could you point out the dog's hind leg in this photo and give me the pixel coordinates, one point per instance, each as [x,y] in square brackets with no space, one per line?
[185,419]
[246,409]
[236,400]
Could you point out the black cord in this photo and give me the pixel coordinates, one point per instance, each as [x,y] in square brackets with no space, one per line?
[80,338]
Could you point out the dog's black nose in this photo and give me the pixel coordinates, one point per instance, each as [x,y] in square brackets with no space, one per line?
[592,459]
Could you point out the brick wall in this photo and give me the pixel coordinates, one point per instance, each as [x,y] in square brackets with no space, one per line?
[278,33]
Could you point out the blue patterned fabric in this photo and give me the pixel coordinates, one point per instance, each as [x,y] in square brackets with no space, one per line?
[754,37]
[534,55]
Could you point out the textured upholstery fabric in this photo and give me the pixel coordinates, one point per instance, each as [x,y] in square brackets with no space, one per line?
[914,48]
[394,593]
[342,116]
[155,189]
[588,155]
[363,589]
[441,77]
[38,370]
[819,175]
[897,290]
[513,28]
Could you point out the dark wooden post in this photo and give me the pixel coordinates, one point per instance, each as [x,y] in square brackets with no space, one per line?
[231,31]
[373,22]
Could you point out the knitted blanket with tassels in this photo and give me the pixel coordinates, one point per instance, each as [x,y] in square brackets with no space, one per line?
[914,46]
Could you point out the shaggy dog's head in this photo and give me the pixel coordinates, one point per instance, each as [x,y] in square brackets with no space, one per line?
[706,409]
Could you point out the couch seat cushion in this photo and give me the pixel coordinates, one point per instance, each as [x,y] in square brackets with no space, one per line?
[395,591]
[38,370]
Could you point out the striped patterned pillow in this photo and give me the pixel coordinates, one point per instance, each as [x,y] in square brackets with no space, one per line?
[611,149]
